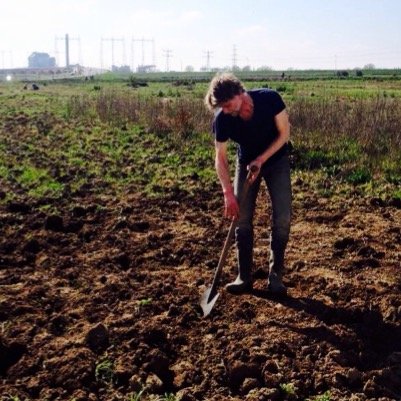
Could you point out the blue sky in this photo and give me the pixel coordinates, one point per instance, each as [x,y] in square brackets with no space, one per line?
[280,34]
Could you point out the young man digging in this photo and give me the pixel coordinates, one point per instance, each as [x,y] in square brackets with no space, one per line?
[258,122]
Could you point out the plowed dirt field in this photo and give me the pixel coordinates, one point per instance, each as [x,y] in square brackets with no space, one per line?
[101,300]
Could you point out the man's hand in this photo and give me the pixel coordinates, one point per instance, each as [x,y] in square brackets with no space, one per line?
[231,207]
[254,169]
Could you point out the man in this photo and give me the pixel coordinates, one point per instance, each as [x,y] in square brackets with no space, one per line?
[258,122]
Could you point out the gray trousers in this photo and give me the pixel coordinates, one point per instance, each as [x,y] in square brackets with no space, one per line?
[278,182]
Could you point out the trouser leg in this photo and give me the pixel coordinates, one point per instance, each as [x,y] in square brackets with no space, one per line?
[277,177]
[244,231]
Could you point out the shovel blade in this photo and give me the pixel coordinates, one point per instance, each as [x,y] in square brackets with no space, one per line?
[208,300]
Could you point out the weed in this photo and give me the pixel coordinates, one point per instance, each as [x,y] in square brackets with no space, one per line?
[10,398]
[104,371]
[136,396]
[142,303]
[323,397]
[38,182]
[397,194]
[167,397]
[145,302]
[4,172]
[360,176]
[288,388]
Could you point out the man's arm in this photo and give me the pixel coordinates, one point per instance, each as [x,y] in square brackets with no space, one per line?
[223,172]
[283,128]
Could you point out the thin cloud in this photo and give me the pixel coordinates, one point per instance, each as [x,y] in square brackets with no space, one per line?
[252,30]
[190,16]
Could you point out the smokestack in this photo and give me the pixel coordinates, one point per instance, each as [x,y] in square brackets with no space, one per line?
[67,51]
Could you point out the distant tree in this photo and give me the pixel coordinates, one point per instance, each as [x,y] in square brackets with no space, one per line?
[246,68]
[342,73]
[358,73]
[369,66]
[264,68]
[122,69]
[189,68]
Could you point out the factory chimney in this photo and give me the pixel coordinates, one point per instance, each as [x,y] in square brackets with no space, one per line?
[67,51]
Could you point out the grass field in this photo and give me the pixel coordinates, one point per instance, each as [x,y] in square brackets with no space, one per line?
[346,131]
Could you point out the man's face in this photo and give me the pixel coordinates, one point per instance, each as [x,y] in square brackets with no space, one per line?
[232,106]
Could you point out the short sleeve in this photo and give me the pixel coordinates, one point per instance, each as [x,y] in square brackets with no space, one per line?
[221,128]
[276,102]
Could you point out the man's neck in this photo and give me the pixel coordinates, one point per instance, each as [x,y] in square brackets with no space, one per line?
[246,111]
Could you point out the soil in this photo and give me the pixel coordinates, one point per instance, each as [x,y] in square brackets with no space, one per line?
[102,299]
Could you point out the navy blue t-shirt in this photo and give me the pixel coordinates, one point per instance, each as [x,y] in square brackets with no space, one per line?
[255,135]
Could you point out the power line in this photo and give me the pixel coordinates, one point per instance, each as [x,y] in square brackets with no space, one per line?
[234,58]
[142,42]
[168,55]
[67,39]
[112,40]
[208,55]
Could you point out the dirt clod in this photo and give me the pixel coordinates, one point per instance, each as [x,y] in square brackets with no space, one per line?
[97,338]
[54,223]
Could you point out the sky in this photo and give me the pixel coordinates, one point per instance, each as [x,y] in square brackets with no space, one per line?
[175,34]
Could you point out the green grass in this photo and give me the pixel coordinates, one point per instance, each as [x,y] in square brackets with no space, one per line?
[104,371]
[38,182]
[137,396]
[119,138]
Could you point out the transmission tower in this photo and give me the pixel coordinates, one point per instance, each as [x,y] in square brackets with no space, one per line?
[143,42]
[67,39]
[168,55]
[113,41]
[234,57]
[208,54]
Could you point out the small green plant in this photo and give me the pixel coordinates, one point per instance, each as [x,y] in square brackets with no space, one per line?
[10,398]
[287,388]
[168,397]
[104,371]
[136,396]
[323,397]
[144,302]
[397,194]
[4,172]
[360,176]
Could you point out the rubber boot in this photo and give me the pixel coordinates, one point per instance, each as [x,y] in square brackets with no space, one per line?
[239,286]
[276,266]
[275,283]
